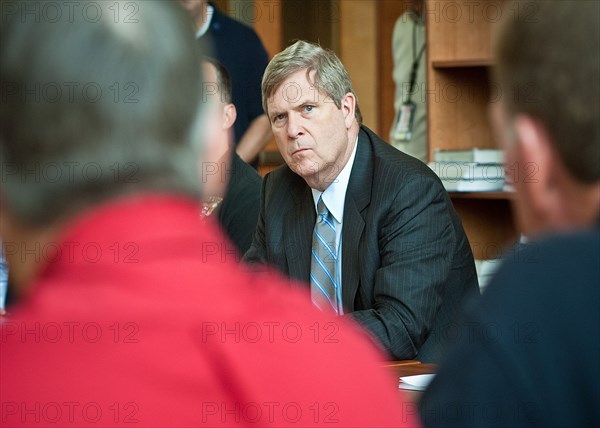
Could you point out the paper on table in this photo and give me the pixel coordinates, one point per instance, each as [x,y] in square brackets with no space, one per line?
[416,382]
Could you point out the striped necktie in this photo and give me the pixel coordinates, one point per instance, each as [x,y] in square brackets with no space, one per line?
[323,284]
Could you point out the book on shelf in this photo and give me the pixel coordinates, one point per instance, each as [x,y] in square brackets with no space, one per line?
[473,185]
[470,155]
[467,171]
[469,176]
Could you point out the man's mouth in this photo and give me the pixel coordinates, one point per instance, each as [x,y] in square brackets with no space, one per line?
[295,152]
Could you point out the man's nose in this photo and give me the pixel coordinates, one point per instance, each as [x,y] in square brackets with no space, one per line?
[294,127]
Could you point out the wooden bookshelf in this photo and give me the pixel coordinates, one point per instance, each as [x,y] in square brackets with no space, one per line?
[459,61]
[488,224]
[482,195]
[477,62]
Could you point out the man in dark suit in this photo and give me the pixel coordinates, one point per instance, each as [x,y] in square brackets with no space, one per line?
[388,247]
[230,177]
[529,354]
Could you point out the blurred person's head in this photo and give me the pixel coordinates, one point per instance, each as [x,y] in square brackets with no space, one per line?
[220,117]
[308,97]
[548,118]
[93,111]
[196,9]
[415,6]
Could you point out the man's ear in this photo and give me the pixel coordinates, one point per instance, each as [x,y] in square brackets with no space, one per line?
[348,106]
[229,115]
[538,169]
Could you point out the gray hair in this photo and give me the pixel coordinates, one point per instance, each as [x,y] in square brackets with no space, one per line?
[330,76]
[94,110]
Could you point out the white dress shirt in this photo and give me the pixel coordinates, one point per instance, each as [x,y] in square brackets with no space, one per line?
[210,11]
[334,198]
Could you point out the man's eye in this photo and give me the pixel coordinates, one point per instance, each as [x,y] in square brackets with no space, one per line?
[279,117]
[308,108]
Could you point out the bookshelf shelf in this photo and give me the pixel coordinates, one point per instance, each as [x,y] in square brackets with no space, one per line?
[482,195]
[459,63]
[459,58]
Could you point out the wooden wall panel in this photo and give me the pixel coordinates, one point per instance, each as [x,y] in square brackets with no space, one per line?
[268,26]
[221,4]
[358,49]
[462,29]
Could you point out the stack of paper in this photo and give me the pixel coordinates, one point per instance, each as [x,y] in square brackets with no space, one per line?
[416,382]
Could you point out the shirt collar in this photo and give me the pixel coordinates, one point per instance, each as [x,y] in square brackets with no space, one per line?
[334,196]
[210,11]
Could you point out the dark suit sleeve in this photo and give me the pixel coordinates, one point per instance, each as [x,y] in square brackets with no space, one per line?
[242,220]
[257,253]
[416,240]
[239,212]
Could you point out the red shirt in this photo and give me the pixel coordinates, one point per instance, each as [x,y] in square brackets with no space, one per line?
[142,317]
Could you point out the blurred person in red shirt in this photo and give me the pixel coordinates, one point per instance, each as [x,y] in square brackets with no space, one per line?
[129,311]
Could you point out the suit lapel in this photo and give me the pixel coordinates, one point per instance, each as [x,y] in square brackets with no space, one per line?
[299,224]
[358,197]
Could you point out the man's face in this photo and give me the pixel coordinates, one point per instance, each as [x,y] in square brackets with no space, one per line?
[311,132]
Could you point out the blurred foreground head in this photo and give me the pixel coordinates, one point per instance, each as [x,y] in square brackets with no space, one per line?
[96,104]
[548,119]
[99,100]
